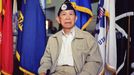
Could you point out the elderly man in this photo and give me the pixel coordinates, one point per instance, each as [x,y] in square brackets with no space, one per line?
[70,51]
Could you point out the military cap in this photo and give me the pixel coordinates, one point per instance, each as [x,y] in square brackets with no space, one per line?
[66,6]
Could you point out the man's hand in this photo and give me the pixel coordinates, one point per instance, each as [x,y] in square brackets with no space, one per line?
[42,73]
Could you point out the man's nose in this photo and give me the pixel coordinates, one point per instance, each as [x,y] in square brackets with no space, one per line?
[68,17]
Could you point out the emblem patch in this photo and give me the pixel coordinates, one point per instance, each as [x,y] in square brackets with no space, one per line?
[64,7]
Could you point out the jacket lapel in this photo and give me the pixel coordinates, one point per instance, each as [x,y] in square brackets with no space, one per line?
[78,36]
[58,37]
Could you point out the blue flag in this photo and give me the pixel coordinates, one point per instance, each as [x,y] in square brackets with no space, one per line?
[31,36]
[83,12]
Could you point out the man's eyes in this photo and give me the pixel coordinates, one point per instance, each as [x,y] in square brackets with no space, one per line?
[71,14]
[65,14]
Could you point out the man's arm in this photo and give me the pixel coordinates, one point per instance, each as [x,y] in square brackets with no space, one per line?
[45,62]
[93,61]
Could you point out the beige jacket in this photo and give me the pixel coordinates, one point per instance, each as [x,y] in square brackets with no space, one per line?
[87,58]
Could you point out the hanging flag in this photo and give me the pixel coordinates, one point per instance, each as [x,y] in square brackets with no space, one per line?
[101,30]
[111,49]
[15,28]
[83,12]
[0,32]
[15,17]
[7,38]
[132,47]
[124,20]
[105,34]
[31,35]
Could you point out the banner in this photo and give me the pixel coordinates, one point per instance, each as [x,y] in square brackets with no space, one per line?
[83,12]
[7,38]
[0,33]
[124,20]
[15,17]
[31,35]
[105,34]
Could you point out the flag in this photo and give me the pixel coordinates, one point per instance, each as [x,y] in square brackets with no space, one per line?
[7,38]
[15,22]
[132,47]
[15,17]
[111,48]
[105,34]
[83,12]
[31,35]
[0,32]
[15,28]
[125,57]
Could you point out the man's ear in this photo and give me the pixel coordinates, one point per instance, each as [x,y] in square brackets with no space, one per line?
[57,19]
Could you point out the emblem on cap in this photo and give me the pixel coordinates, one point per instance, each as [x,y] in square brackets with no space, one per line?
[64,7]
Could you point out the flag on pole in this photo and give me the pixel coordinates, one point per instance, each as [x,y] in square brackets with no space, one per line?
[0,33]
[132,43]
[15,28]
[15,22]
[31,35]
[15,17]
[111,49]
[124,20]
[83,12]
[7,38]
[105,34]
[101,30]
[132,47]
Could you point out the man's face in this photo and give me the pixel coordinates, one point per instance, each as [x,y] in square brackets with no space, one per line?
[67,19]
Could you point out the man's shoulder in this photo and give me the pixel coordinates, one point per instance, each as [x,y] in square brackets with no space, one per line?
[86,33]
[57,34]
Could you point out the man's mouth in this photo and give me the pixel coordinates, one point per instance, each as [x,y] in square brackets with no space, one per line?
[67,22]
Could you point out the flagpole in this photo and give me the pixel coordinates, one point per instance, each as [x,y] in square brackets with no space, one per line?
[128,46]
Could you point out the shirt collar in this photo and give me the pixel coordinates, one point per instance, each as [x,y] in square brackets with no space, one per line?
[72,32]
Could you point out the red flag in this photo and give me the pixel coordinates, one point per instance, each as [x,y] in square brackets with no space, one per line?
[0,30]
[7,38]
